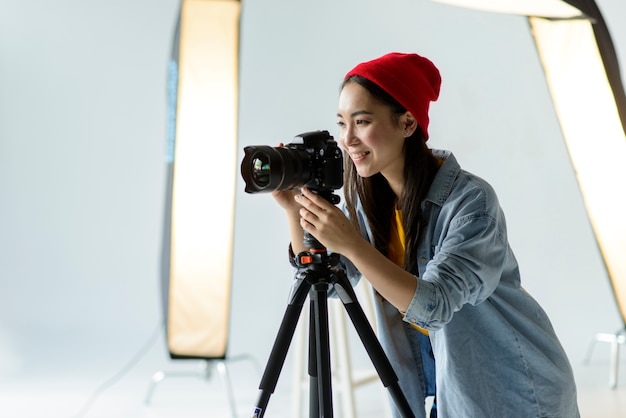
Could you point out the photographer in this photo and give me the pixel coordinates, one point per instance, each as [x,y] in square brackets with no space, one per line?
[431,238]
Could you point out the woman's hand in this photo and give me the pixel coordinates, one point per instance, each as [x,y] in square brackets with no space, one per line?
[286,199]
[326,222]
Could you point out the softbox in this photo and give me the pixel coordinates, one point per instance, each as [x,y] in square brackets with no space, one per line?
[201,178]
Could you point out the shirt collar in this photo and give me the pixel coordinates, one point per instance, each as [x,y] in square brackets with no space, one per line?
[444,179]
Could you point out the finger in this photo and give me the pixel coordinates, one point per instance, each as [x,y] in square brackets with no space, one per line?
[318,200]
[306,225]
[309,208]
[308,216]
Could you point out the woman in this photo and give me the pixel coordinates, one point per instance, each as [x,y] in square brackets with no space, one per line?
[431,238]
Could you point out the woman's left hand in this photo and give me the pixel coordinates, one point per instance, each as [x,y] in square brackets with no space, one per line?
[332,229]
[326,222]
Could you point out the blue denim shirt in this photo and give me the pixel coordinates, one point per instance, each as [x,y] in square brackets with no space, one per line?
[495,349]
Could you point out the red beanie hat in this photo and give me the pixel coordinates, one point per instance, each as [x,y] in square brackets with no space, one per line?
[412,80]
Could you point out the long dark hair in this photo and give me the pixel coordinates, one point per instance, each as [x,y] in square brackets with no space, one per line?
[375,194]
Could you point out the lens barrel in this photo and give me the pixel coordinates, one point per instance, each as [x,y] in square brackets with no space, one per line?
[265,168]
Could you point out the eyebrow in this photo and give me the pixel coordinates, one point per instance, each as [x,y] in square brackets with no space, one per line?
[357,113]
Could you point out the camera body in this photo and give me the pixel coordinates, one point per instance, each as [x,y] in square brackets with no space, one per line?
[312,160]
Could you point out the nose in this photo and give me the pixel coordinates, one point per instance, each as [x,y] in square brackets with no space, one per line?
[347,136]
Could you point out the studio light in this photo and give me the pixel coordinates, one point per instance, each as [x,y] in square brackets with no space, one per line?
[202,170]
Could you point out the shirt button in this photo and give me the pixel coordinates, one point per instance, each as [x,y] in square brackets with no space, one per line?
[422,260]
[413,321]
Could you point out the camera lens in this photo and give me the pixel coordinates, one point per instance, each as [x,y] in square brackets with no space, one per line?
[265,169]
[261,170]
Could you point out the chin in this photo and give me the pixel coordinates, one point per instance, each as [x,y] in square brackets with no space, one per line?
[365,174]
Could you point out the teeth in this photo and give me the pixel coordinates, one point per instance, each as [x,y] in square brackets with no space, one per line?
[359,155]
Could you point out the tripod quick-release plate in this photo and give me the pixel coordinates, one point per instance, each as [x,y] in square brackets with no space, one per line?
[311,259]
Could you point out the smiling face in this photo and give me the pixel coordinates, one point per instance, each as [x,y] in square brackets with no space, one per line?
[372,136]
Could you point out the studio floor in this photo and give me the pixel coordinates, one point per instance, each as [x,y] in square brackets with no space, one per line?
[96,392]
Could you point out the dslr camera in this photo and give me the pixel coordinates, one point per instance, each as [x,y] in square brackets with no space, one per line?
[312,160]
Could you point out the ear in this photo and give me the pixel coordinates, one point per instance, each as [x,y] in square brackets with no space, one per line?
[408,124]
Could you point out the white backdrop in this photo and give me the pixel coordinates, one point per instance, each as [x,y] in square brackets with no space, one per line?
[82,145]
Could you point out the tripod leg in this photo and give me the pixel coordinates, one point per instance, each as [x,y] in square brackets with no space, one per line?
[319,296]
[375,351]
[314,394]
[281,346]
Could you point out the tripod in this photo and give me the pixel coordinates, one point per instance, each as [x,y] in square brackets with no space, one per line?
[316,273]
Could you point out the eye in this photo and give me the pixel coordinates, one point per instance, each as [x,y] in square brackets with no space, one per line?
[361,122]
[340,123]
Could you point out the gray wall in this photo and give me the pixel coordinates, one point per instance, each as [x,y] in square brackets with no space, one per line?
[82,144]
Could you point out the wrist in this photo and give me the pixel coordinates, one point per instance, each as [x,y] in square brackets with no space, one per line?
[357,248]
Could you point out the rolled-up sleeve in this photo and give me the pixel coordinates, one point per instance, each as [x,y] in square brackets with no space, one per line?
[466,267]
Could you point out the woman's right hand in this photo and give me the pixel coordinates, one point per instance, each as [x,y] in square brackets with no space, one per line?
[286,199]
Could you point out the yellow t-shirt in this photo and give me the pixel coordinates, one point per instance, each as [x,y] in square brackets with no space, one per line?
[397,246]
[397,242]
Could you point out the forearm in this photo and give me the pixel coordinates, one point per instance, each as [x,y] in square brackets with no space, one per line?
[296,233]
[394,283]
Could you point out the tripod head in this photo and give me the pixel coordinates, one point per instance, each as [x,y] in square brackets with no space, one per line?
[317,257]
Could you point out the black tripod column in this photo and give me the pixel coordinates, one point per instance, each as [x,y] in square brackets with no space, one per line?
[321,402]
[314,404]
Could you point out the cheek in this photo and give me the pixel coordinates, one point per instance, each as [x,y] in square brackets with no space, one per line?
[377,141]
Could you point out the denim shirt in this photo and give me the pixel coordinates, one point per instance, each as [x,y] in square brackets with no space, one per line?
[496,352]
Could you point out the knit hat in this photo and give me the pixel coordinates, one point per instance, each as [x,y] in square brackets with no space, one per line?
[412,80]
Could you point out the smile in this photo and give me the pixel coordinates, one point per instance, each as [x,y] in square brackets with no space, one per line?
[359,156]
